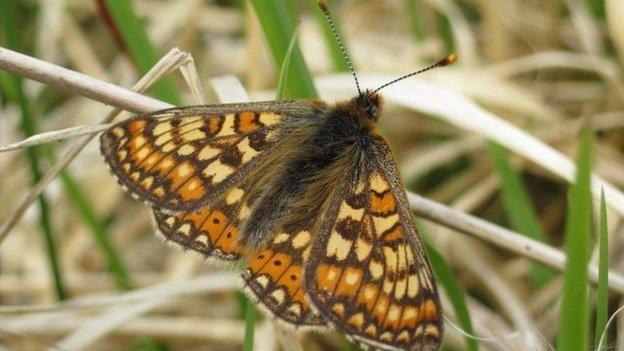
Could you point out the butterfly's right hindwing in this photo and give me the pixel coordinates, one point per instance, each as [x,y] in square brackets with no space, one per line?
[182,159]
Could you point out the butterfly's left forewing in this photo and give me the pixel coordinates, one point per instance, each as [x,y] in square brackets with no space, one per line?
[184,158]
[367,272]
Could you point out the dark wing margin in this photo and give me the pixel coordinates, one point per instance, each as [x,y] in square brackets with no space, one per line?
[368,273]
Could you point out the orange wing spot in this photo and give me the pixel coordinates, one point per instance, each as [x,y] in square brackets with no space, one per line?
[393,317]
[277,265]
[260,260]
[350,282]
[338,309]
[410,318]
[248,122]
[368,295]
[291,279]
[371,330]
[432,330]
[152,159]
[357,320]
[118,132]
[403,337]
[181,173]
[147,183]
[327,276]
[228,242]
[382,204]
[165,165]
[192,189]
[395,234]
[379,311]
[142,153]
[137,125]
[430,310]
[386,336]
[159,192]
[213,124]
[121,154]
[215,224]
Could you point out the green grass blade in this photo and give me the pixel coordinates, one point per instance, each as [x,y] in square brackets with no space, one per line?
[28,125]
[250,322]
[574,309]
[283,76]
[602,304]
[445,32]
[597,8]
[146,344]
[140,47]
[455,293]
[278,27]
[335,53]
[517,205]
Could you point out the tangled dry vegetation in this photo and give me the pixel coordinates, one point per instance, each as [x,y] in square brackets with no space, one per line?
[549,69]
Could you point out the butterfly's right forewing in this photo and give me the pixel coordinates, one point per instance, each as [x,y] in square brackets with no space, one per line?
[367,272]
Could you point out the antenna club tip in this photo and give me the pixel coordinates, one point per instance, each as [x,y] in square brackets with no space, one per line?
[449,60]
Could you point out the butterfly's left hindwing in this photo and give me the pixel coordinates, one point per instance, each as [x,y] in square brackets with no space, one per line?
[274,278]
[212,231]
[367,272]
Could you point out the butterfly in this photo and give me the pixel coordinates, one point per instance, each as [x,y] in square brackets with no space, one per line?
[307,192]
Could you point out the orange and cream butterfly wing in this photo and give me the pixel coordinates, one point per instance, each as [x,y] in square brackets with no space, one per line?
[367,271]
[211,231]
[183,158]
[274,278]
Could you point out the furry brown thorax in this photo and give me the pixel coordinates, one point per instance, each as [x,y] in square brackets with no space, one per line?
[366,107]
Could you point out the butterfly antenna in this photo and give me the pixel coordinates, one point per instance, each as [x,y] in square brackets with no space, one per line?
[450,59]
[323,5]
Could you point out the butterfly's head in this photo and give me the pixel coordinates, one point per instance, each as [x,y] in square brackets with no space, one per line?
[367,106]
